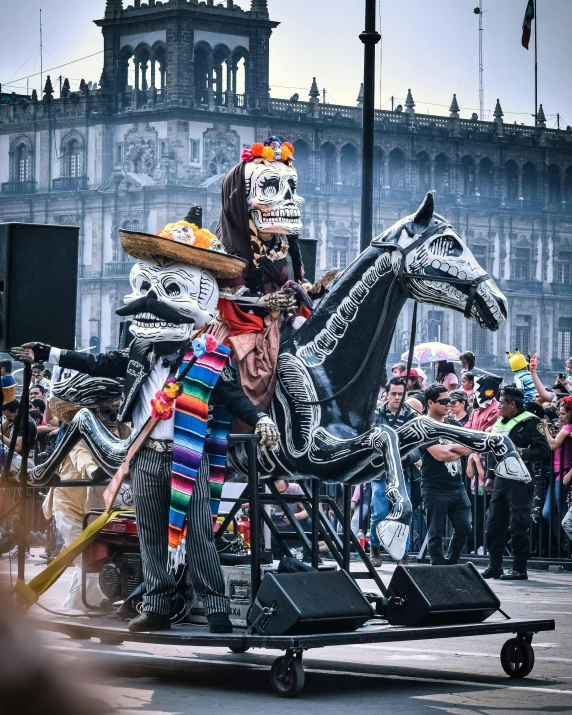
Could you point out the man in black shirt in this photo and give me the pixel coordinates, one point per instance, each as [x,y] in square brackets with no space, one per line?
[9,413]
[511,499]
[442,489]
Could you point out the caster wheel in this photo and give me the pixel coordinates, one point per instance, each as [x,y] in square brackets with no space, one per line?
[238,648]
[517,658]
[289,682]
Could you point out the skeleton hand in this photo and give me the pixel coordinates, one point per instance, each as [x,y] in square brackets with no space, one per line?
[279,302]
[321,284]
[31,352]
[268,432]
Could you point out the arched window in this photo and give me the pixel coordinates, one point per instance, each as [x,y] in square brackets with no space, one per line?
[21,160]
[529,181]
[441,174]
[568,185]
[23,163]
[74,159]
[423,172]
[158,68]
[329,163]
[240,62]
[396,169]
[349,165]
[221,74]
[554,184]
[202,73]
[511,179]
[468,164]
[564,340]
[302,160]
[486,177]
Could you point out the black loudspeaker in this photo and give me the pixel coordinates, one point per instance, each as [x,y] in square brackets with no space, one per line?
[439,595]
[38,284]
[309,250]
[312,602]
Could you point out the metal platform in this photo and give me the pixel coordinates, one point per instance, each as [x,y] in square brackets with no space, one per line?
[287,673]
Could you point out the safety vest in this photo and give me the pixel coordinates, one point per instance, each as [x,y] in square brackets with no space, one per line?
[505,429]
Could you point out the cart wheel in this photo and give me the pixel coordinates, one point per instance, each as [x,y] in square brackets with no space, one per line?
[517,658]
[287,680]
[238,648]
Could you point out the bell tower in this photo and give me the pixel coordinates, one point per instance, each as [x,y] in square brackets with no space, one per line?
[187,53]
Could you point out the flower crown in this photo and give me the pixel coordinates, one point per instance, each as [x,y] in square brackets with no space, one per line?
[273,149]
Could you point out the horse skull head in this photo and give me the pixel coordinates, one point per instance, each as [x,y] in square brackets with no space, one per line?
[273,203]
[454,272]
[169,300]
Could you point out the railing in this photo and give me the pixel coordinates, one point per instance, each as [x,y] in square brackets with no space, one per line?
[485,202]
[562,289]
[70,183]
[525,286]
[19,187]
[119,269]
[548,540]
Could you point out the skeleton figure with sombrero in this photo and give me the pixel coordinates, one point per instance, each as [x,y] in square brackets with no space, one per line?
[174,296]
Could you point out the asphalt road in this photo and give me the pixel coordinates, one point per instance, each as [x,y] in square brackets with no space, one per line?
[459,676]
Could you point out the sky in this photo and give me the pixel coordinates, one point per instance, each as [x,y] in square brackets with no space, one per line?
[430,46]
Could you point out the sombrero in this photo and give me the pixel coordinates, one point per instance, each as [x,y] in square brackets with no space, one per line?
[185,242]
[64,411]
[9,393]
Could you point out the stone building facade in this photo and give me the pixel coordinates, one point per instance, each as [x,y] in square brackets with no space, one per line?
[185,85]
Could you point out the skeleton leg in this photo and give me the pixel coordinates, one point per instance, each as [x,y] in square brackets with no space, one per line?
[377,449]
[108,450]
[425,431]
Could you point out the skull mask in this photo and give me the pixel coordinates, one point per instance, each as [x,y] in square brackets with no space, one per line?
[169,299]
[274,206]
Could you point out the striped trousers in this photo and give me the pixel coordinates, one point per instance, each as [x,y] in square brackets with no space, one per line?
[151,481]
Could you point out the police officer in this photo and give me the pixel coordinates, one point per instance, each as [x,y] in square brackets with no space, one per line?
[511,499]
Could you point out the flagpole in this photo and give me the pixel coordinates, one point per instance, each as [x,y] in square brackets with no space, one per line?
[535,67]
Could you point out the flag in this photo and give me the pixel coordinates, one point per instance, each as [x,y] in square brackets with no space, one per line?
[527,24]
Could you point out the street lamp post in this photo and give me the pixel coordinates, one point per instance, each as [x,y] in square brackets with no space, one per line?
[370,37]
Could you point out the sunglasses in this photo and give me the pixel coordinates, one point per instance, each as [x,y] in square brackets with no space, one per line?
[444,401]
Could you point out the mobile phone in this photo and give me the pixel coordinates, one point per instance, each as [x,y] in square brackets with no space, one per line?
[561,375]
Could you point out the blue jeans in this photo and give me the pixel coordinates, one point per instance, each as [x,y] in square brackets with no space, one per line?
[380,508]
[556,508]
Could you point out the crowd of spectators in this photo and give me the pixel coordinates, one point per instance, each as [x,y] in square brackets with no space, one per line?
[449,485]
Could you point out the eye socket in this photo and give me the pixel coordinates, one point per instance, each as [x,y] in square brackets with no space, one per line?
[269,187]
[145,286]
[292,184]
[446,246]
[173,289]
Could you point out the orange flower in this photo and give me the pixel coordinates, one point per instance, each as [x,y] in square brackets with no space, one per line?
[289,147]
[172,390]
[286,153]
[257,148]
[268,153]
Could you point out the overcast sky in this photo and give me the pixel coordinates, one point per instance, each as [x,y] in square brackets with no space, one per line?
[428,45]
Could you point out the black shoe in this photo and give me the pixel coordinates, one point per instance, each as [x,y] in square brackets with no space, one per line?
[149,621]
[513,575]
[219,623]
[491,572]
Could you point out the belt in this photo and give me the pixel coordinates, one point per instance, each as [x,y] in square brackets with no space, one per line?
[159,445]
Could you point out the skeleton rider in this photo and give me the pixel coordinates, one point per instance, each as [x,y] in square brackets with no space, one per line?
[174,295]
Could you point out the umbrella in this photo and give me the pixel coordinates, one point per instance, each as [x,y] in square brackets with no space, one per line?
[432,352]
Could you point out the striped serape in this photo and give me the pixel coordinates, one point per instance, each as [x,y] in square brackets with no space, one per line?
[193,418]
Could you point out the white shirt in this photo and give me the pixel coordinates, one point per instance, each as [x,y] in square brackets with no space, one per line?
[164,429]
